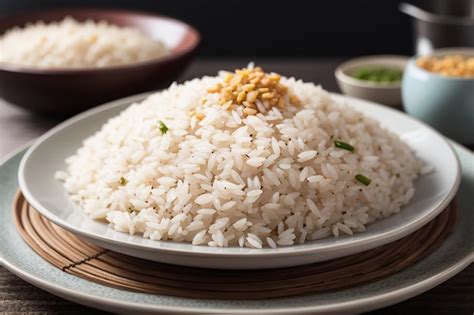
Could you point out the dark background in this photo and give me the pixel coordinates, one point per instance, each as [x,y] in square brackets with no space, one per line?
[291,28]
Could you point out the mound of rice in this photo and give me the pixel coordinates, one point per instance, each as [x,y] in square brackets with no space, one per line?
[226,178]
[72,44]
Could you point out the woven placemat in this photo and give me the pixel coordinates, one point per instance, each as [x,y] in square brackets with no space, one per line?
[75,256]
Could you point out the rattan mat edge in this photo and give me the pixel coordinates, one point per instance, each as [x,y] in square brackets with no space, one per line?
[77,257]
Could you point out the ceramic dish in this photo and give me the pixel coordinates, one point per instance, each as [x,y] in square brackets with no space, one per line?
[67,91]
[46,156]
[383,93]
[455,254]
[446,103]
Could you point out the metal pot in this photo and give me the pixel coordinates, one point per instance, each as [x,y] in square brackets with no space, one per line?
[451,26]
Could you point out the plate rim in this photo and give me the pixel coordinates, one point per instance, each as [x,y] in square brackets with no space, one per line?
[366,304]
[359,305]
[387,236]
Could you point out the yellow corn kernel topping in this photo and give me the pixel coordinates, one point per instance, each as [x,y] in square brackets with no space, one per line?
[451,65]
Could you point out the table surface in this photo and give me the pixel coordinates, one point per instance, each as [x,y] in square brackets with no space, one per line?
[17,127]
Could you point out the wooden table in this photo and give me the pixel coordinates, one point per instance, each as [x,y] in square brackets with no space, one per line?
[456,296]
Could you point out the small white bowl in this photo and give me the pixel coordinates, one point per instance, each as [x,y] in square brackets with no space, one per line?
[384,93]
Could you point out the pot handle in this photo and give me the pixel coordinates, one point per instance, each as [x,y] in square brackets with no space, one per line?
[426,16]
[414,11]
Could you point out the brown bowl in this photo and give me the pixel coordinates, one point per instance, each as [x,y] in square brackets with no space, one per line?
[68,91]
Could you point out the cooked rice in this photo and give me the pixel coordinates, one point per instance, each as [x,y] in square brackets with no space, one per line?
[228,179]
[72,44]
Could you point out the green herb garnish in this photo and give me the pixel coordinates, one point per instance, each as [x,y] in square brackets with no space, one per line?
[343,145]
[364,180]
[163,128]
[379,74]
[123,181]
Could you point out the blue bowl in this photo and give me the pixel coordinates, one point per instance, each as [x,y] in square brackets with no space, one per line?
[446,103]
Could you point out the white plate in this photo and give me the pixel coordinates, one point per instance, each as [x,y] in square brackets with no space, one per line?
[455,254]
[46,156]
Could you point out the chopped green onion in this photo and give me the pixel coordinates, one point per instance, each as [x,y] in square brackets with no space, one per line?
[123,181]
[364,180]
[379,74]
[163,128]
[343,145]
